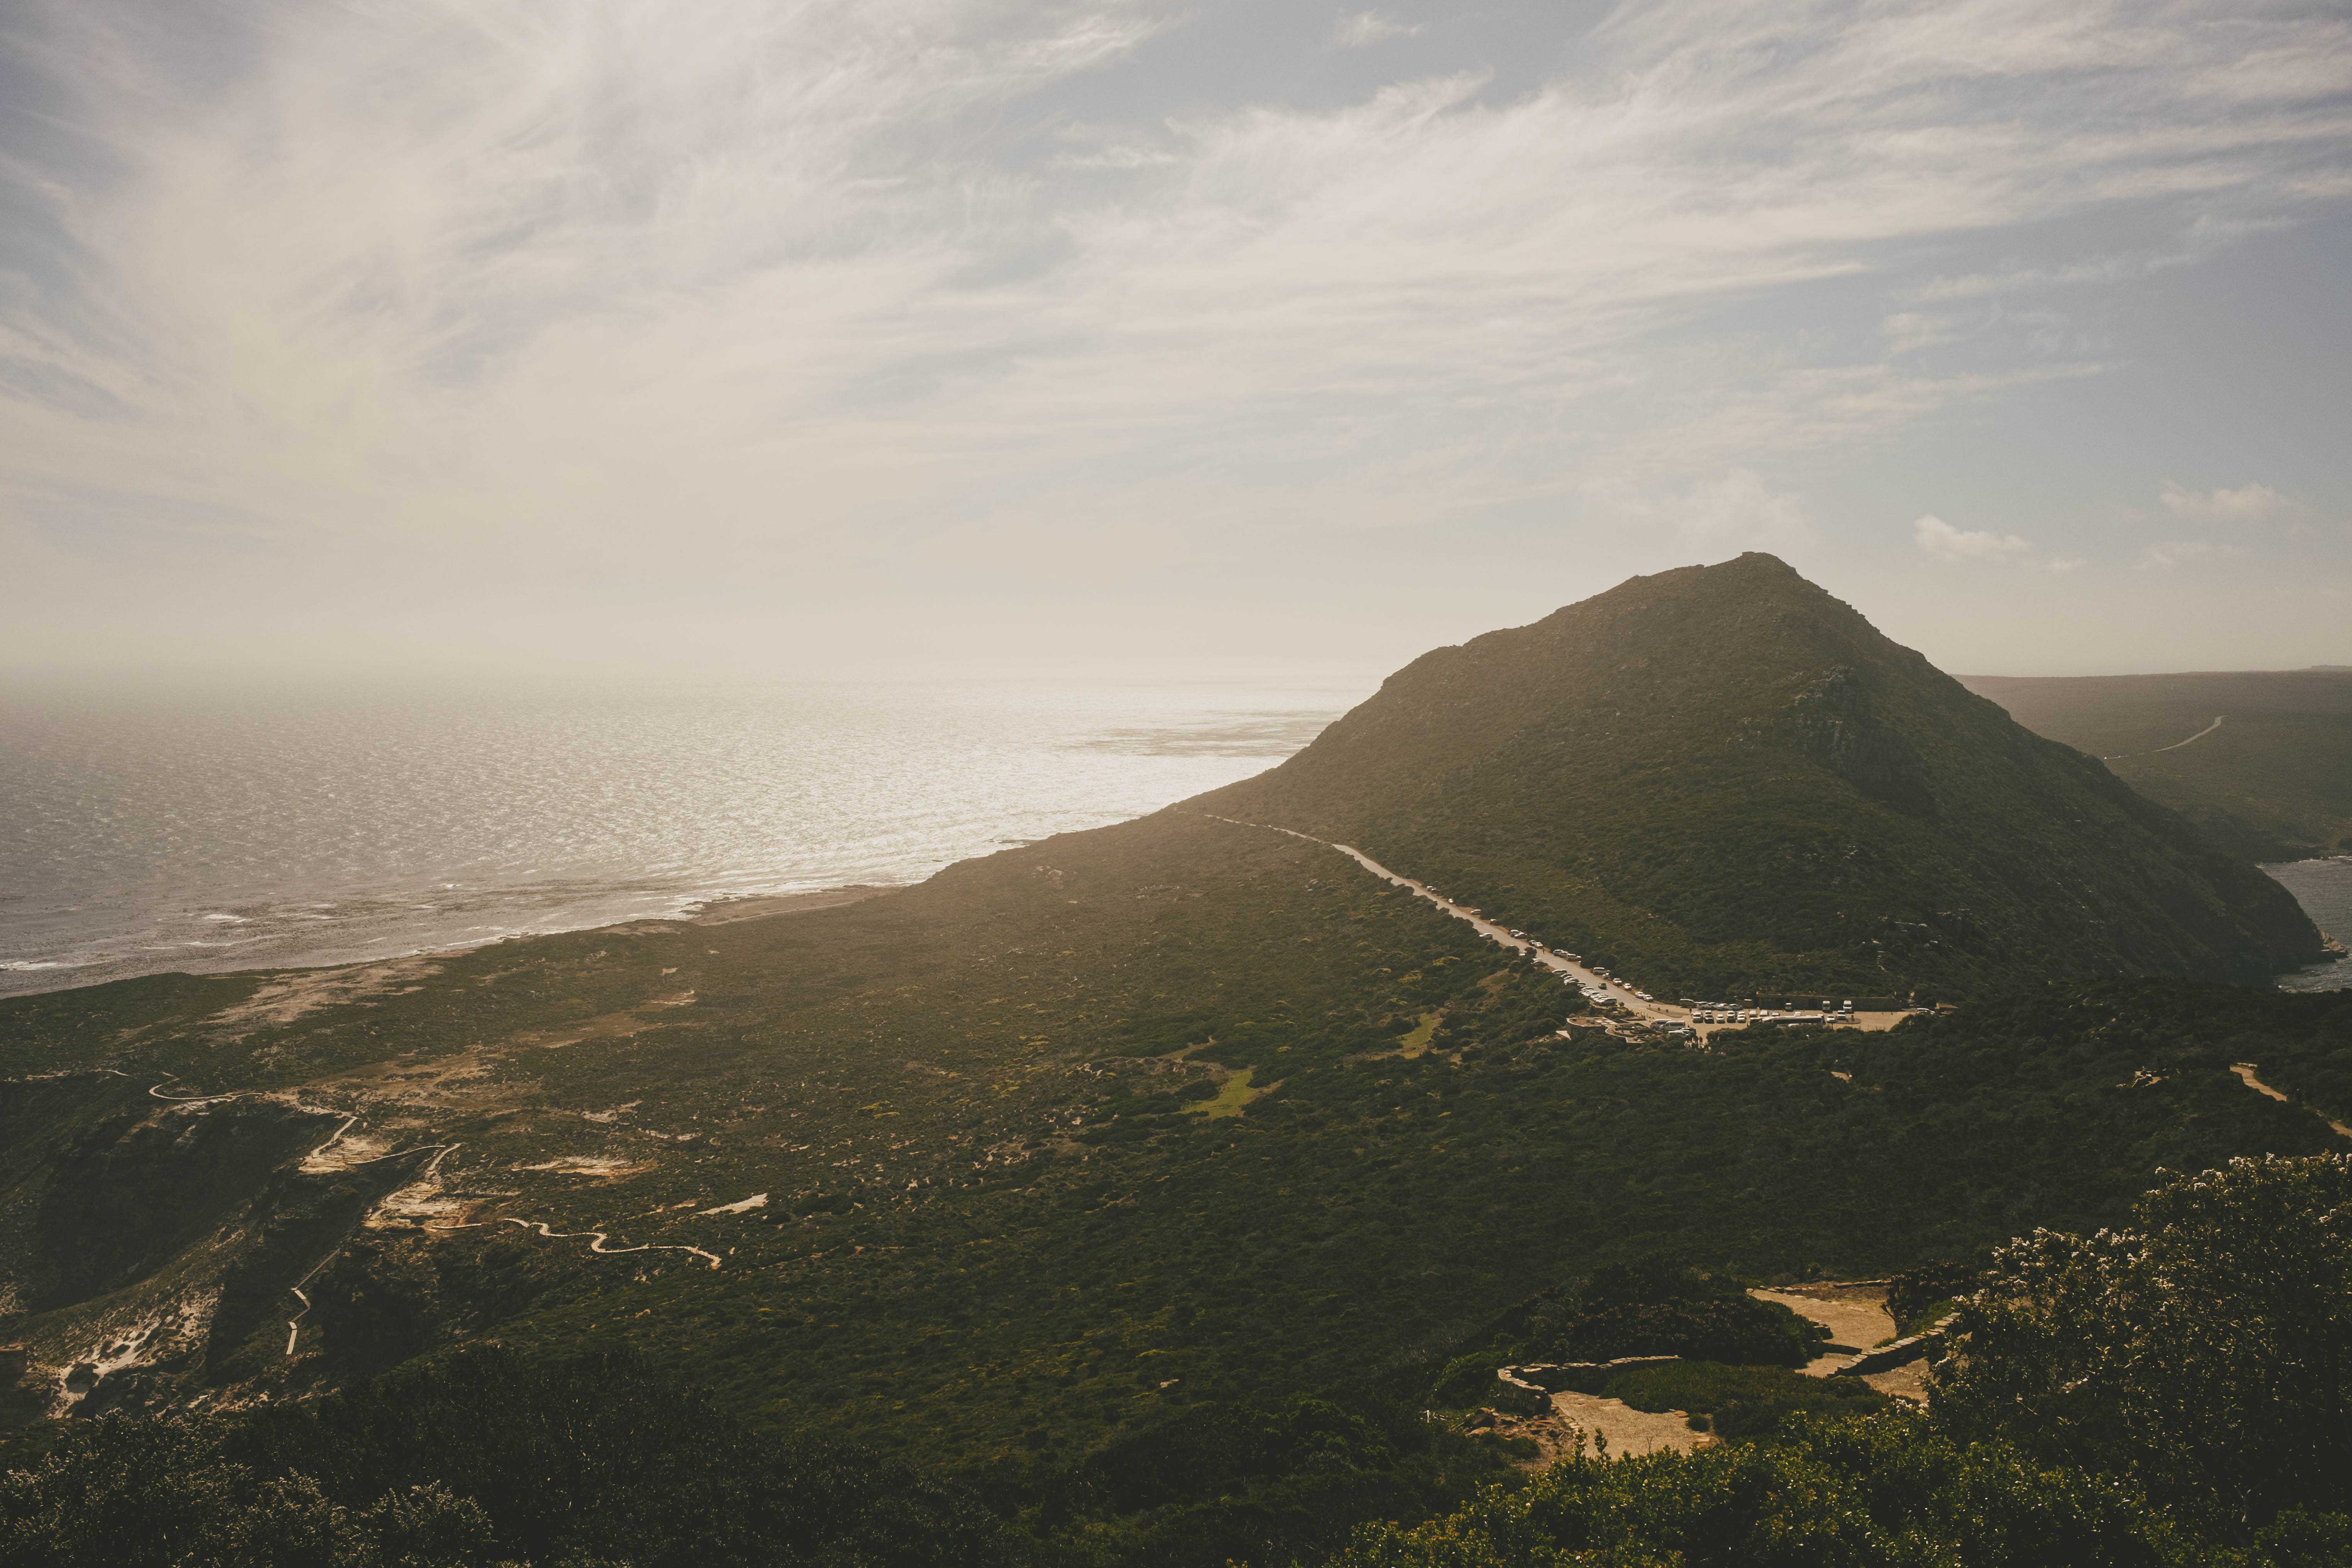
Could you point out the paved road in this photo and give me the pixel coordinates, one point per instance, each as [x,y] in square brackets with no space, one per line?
[1634,1007]
[2127,756]
[1617,991]
[2198,736]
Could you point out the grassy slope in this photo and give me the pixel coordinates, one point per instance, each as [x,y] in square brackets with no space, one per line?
[1014,1231]
[1724,781]
[2275,782]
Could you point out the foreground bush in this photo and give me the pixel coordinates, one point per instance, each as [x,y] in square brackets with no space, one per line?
[1886,1490]
[2205,1353]
[479,1460]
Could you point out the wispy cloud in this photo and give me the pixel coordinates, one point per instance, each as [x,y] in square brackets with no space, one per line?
[578,301]
[1940,539]
[2248,503]
[2171,552]
[1362,29]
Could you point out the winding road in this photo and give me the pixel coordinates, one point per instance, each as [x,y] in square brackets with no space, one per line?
[294,1323]
[317,1162]
[598,1244]
[157,1090]
[595,1244]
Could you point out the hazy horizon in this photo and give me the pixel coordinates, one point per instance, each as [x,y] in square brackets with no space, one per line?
[838,340]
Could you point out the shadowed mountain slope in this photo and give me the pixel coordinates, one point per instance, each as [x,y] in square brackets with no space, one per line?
[1721,780]
[2260,759]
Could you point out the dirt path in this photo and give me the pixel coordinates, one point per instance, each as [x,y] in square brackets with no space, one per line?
[2245,1071]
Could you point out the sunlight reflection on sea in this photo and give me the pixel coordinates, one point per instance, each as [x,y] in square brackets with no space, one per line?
[147,832]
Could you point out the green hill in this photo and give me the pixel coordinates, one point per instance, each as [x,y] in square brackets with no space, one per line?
[1722,781]
[2273,782]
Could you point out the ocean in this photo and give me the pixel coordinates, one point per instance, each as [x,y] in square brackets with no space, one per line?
[2324,889]
[211,830]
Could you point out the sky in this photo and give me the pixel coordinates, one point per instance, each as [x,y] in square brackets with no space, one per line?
[796,337]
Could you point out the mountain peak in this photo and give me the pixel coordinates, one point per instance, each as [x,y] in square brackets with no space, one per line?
[1726,774]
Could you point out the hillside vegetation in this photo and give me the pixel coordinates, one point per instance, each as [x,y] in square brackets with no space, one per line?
[1140,1187]
[1722,781]
[2273,783]
[2168,1392]
[1003,1234]
[2219,1438]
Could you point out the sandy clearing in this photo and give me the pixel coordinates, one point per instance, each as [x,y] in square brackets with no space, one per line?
[607,1165]
[1629,1431]
[741,1205]
[1855,1316]
[342,1150]
[281,1001]
[1908,1380]
[604,1027]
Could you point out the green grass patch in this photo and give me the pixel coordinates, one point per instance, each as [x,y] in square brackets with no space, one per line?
[1232,1095]
[1413,1044]
[1742,1400]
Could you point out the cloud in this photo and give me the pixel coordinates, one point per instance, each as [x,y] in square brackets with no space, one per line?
[2249,503]
[1735,510]
[471,308]
[1364,28]
[2171,552]
[1741,511]
[1942,540]
[1908,331]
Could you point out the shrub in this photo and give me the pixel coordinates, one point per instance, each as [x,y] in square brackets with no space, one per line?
[1886,1490]
[1915,1291]
[2207,1353]
[1742,1400]
[1467,1379]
